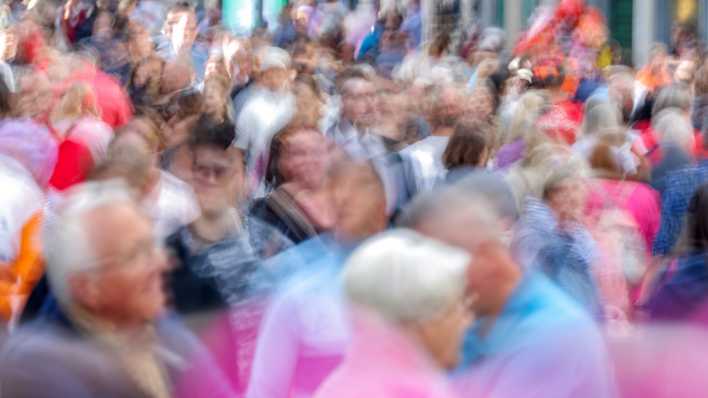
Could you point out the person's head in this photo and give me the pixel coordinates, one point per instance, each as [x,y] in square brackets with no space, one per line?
[298,154]
[34,97]
[140,44]
[181,25]
[672,127]
[146,77]
[468,146]
[611,153]
[522,121]
[565,190]
[685,72]
[658,57]
[103,26]
[549,74]
[131,159]
[358,101]
[241,62]
[620,84]
[310,106]
[359,200]
[418,285]
[218,175]
[216,92]
[600,116]
[176,75]
[117,281]
[274,72]
[448,107]
[79,100]
[446,215]
[438,47]
[674,96]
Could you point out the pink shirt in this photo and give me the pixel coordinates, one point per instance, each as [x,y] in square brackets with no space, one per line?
[638,199]
[382,362]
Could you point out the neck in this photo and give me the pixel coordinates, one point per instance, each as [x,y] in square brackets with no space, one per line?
[504,292]
[215,226]
[443,131]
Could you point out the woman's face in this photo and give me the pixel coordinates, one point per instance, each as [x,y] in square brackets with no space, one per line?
[214,98]
[443,336]
[304,159]
[567,200]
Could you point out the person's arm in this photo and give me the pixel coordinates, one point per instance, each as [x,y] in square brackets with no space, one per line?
[670,226]
[276,352]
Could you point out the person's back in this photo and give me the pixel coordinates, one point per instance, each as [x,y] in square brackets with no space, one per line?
[383,362]
[426,161]
[541,332]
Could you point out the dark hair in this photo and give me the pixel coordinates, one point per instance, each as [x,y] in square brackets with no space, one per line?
[467,145]
[212,134]
[602,158]
[5,99]
[273,178]
[182,6]
[696,229]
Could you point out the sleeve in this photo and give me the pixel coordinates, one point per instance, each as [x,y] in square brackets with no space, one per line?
[276,352]
[670,224]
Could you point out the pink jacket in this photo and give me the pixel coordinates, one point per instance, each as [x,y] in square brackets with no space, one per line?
[381,362]
[638,199]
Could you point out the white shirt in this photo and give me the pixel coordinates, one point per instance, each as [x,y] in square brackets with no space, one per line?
[425,159]
[171,205]
[21,199]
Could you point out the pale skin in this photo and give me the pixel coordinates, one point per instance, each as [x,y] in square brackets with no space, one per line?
[125,290]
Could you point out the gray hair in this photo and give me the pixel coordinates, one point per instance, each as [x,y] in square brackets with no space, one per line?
[677,95]
[673,127]
[66,247]
[600,116]
[406,277]
[451,204]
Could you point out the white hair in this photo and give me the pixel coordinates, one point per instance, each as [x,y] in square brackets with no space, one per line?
[67,248]
[599,116]
[673,127]
[406,277]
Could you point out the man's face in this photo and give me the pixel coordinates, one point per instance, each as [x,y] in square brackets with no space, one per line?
[217,178]
[358,102]
[127,286]
[456,230]
[181,28]
[360,202]
[276,79]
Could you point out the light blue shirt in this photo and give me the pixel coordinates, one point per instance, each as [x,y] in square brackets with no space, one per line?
[542,345]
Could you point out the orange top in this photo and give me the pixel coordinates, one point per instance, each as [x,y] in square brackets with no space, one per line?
[18,278]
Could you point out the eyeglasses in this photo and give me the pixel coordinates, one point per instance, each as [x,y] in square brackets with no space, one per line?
[140,256]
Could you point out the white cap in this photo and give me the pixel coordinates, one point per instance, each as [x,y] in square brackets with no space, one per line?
[273,57]
[405,276]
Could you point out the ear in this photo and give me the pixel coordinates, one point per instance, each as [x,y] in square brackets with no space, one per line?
[84,291]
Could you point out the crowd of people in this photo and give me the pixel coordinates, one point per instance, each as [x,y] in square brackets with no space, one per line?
[339,206]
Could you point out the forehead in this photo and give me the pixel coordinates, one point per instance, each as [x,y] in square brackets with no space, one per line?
[216,157]
[358,86]
[105,223]
[304,136]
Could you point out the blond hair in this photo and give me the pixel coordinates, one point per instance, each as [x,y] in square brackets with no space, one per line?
[79,100]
